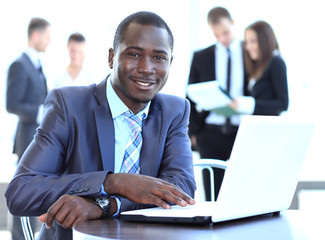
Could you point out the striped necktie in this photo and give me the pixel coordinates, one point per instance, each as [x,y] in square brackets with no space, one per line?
[131,160]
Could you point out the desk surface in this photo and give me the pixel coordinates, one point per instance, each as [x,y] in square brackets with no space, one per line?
[291,224]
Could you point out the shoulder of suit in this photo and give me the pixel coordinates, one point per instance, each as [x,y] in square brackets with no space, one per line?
[205,50]
[22,63]
[22,59]
[169,105]
[168,100]
[277,61]
[75,92]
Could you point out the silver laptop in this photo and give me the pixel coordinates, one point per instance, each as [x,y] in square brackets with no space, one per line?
[261,176]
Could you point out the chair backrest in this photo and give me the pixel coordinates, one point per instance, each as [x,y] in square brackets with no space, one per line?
[209,164]
[27,229]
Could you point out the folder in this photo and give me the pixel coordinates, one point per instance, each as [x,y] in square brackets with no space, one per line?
[210,96]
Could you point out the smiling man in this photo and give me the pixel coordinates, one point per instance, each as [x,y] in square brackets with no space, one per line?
[111,147]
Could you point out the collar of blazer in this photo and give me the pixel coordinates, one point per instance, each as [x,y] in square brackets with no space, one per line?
[30,68]
[106,135]
[105,127]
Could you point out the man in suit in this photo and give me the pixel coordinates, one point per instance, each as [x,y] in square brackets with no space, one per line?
[26,92]
[211,134]
[76,168]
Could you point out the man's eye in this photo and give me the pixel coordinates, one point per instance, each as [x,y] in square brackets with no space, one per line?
[132,54]
[159,58]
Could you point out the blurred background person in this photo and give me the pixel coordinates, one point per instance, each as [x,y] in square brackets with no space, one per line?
[76,73]
[268,87]
[213,135]
[26,92]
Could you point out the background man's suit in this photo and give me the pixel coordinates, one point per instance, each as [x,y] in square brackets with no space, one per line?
[203,70]
[26,91]
[75,146]
[212,143]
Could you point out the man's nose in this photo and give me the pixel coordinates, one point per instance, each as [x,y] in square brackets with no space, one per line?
[146,66]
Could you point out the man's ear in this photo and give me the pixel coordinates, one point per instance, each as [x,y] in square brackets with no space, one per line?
[34,36]
[171,60]
[111,58]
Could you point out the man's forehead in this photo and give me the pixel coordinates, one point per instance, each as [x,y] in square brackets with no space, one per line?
[146,35]
[145,29]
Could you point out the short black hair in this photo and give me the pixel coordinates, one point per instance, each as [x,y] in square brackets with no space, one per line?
[76,37]
[37,24]
[216,14]
[143,18]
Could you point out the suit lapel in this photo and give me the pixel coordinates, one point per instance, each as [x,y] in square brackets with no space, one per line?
[30,67]
[151,136]
[105,127]
[35,76]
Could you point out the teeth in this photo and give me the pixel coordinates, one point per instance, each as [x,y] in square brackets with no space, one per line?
[143,84]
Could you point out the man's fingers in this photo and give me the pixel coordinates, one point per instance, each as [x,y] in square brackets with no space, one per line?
[55,212]
[158,202]
[171,197]
[141,189]
[42,218]
[51,213]
[178,196]
[68,220]
[65,218]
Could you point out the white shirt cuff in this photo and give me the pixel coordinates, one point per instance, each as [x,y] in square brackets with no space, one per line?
[246,105]
[40,114]
[118,201]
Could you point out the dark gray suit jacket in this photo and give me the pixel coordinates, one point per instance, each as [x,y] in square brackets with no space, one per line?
[74,149]
[271,89]
[26,91]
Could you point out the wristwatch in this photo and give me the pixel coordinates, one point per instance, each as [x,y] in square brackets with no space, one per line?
[105,204]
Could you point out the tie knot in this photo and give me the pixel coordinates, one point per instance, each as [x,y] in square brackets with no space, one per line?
[134,121]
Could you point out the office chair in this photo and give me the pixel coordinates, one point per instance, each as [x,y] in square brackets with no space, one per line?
[208,164]
[27,229]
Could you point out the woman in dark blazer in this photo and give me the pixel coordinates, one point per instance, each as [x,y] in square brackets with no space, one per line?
[268,87]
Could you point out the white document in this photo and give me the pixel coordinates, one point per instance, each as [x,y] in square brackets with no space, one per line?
[208,95]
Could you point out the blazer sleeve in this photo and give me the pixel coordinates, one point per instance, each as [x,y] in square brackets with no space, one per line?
[17,90]
[41,177]
[277,79]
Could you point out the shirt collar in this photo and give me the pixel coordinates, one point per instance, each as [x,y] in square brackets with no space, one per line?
[116,104]
[234,46]
[34,56]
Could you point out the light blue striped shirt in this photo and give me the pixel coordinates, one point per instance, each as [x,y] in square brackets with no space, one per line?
[122,128]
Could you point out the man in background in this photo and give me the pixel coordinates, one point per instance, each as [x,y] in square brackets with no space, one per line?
[211,134]
[76,74]
[26,92]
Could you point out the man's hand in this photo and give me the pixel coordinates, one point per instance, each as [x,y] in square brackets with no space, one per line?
[69,210]
[234,104]
[144,189]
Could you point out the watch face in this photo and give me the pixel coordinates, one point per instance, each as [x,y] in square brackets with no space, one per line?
[103,202]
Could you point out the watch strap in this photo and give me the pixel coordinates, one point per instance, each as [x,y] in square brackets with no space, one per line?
[105,204]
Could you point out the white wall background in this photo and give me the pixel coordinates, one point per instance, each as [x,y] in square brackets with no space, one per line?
[298,26]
